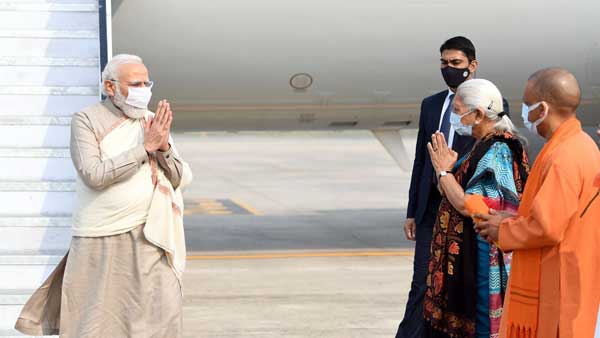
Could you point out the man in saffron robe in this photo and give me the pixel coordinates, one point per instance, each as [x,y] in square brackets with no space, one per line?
[554,287]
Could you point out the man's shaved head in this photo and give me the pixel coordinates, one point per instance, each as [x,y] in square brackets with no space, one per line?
[558,87]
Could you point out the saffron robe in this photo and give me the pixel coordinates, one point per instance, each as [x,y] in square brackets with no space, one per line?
[554,287]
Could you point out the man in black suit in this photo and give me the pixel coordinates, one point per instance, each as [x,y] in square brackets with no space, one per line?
[458,64]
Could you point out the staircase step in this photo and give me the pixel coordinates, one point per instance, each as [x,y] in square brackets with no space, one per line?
[14,297]
[68,47]
[31,257]
[34,131]
[38,169]
[36,164]
[11,333]
[33,198]
[44,222]
[50,90]
[48,61]
[35,136]
[49,34]
[43,105]
[37,186]
[35,238]
[35,233]
[47,6]
[37,203]
[35,120]
[46,76]
[49,20]
[27,270]
[11,303]
[35,152]
[51,1]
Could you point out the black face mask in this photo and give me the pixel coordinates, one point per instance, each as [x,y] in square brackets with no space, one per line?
[455,76]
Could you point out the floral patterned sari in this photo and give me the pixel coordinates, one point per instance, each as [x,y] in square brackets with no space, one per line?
[496,168]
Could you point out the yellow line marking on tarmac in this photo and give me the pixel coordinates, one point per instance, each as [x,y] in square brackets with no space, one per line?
[205,206]
[214,208]
[247,207]
[402,253]
[212,204]
[188,212]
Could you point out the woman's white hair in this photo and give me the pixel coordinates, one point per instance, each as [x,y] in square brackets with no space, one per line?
[483,94]
[111,71]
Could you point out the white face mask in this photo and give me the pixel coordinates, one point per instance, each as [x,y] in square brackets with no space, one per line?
[532,126]
[459,127]
[139,97]
[135,105]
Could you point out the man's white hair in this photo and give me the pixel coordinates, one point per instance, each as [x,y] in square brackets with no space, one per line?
[483,94]
[111,71]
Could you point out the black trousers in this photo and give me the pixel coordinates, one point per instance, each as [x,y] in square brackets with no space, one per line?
[412,326]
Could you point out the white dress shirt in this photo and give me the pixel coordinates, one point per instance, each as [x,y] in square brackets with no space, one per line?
[444,107]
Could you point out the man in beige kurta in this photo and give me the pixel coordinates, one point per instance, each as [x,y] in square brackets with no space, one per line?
[118,281]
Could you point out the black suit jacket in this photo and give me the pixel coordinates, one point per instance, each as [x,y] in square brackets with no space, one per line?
[421,182]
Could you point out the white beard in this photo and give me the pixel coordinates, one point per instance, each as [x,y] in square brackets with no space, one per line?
[129,110]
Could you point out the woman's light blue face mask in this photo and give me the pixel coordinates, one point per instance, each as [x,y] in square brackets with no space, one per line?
[459,127]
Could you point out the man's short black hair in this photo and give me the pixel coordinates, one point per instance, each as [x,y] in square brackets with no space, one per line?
[460,43]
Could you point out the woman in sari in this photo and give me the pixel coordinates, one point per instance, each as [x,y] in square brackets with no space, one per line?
[467,277]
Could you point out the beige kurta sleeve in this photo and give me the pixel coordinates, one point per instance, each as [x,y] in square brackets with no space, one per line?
[96,172]
[171,164]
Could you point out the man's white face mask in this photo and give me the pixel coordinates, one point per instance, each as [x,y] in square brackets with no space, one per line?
[135,105]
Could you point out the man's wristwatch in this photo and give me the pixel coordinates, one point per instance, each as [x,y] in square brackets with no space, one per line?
[442,174]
